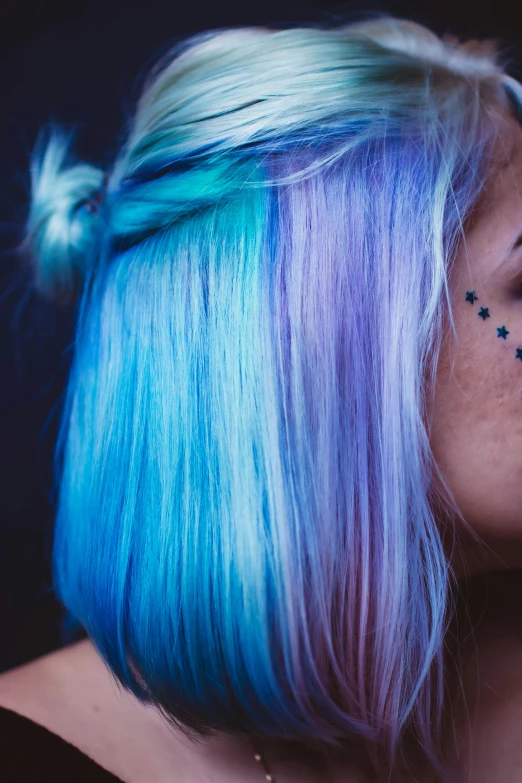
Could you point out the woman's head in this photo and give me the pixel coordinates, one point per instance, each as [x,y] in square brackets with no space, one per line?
[246,520]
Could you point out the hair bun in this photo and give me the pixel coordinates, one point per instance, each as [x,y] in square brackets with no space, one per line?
[63,217]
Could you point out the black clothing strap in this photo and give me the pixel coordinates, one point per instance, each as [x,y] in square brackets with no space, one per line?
[30,753]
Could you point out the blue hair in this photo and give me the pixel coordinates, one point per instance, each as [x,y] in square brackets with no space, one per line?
[246,518]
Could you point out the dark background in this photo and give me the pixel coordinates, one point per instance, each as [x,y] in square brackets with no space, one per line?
[79,64]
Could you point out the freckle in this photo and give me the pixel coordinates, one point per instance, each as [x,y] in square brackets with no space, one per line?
[95,706]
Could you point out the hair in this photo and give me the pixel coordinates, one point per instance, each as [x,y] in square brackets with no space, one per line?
[246,520]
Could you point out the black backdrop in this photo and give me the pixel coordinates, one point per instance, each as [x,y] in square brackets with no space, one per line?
[76,63]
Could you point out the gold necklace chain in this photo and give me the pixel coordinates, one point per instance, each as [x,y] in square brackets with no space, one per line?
[261,760]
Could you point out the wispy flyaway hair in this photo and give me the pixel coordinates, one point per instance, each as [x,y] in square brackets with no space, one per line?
[246,496]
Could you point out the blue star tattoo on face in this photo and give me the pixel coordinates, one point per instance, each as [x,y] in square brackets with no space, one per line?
[484,313]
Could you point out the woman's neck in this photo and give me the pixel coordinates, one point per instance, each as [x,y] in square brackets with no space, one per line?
[488,708]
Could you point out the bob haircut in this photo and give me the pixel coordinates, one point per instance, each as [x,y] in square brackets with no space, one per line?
[246,518]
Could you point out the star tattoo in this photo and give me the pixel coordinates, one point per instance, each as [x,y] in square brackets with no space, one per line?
[502,332]
[484,313]
[470,297]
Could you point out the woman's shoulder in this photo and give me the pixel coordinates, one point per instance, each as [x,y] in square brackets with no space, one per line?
[34,709]
[58,689]
[39,689]
[71,693]
[51,707]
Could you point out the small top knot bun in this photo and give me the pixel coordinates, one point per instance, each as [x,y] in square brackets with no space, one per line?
[64,217]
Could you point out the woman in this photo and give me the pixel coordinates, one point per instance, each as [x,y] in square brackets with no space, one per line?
[291,436]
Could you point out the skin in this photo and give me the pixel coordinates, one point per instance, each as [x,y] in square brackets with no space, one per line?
[476,435]
[477,443]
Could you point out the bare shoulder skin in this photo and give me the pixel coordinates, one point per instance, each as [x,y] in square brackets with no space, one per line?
[71,692]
